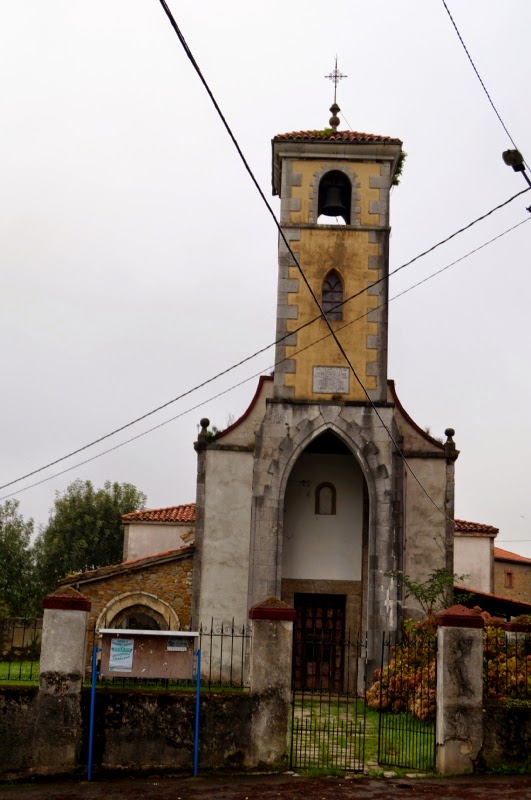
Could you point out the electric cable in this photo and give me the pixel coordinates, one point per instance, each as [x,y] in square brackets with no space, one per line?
[257,352]
[255,375]
[240,363]
[480,79]
[295,260]
[415,285]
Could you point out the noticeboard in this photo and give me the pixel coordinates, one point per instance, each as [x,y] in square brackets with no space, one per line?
[147,654]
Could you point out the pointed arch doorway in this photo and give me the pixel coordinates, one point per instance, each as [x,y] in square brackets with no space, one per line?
[324,555]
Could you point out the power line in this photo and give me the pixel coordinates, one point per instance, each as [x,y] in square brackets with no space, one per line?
[251,377]
[480,79]
[290,251]
[250,357]
[128,441]
[419,283]
[506,541]
[262,350]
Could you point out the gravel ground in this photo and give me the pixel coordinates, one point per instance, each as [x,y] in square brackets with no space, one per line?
[275,787]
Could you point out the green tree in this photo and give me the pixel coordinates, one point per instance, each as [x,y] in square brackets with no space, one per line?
[434,593]
[16,562]
[84,530]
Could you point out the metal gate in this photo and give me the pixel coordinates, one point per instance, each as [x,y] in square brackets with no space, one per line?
[407,700]
[328,707]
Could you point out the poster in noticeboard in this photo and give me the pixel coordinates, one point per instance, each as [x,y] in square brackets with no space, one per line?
[121,655]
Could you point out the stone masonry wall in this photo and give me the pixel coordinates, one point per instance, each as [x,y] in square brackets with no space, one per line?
[521,580]
[506,737]
[171,582]
[137,731]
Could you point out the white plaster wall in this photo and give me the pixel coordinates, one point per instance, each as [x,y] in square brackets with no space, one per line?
[244,433]
[424,525]
[322,546]
[227,525]
[148,539]
[472,557]
[64,639]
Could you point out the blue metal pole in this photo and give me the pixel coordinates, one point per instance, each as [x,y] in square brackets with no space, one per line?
[197,712]
[92,707]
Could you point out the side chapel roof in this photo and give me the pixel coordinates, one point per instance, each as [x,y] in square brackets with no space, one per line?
[506,555]
[462,526]
[133,565]
[180,514]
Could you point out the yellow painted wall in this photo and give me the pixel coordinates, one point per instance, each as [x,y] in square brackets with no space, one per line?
[308,168]
[347,250]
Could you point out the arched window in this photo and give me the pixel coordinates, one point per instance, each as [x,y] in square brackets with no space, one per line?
[332,295]
[335,193]
[325,499]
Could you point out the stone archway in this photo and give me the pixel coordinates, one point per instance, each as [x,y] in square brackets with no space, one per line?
[286,432]
[138,603]
[324,559]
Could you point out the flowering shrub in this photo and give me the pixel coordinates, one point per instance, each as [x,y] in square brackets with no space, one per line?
[407,682]
[506,662]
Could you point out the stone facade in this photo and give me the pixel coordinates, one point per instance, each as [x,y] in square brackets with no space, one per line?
[160,586]
[316,413]
[329,417]
[512,577]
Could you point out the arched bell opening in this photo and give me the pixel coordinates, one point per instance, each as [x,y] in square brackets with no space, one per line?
[335,194]
[324,560]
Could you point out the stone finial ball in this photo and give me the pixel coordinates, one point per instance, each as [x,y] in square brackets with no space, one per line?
[449,432]
[204,422]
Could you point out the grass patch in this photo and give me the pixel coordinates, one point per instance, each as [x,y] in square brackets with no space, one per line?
[19,671]
[323,741]
[406,741]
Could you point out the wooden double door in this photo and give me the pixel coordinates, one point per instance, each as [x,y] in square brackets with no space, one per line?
[318,642]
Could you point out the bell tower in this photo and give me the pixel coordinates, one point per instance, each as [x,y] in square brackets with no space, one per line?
[334,211]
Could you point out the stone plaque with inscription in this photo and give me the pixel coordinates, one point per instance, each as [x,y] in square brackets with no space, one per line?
[330,380]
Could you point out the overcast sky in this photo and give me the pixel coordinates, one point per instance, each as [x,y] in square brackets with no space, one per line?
[138,260]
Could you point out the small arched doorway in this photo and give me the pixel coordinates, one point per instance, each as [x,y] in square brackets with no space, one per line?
[324,554]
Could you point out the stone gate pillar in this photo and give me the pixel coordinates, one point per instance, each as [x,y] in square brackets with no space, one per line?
[58,724]
[459,727]
[270,672]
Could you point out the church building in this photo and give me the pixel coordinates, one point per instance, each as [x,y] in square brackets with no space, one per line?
[307,497]
[325,484]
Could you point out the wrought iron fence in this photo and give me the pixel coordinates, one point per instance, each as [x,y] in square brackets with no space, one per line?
[20,648]
[225,650]
[507,665]
[328,719]
[404,691]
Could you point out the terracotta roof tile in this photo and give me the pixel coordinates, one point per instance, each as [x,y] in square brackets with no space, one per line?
[184,513]
[506,555]
[338,136]
[476,593]
[462,526]
[126,566]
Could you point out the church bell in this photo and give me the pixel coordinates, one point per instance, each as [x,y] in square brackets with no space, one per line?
[334,202]
[334,196]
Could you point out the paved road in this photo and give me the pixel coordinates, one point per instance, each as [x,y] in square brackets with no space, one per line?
[275,787]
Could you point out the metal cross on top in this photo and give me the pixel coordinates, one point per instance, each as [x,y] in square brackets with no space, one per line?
[335,76]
